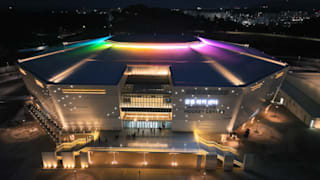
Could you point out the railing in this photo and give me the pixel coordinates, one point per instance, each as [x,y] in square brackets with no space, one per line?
[215,144]
[80,141]
[219,147]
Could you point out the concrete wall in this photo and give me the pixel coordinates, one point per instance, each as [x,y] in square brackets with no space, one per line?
[42,96]
[211,118]
[77,112]
[7,69]
[49,160]
[235,106]
[87,111]
[253,100]
[295,108]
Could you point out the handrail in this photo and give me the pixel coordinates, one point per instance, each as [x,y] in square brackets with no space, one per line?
[214,144]
[220,147]
[79,141]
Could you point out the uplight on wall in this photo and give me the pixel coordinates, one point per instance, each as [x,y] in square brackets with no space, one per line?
[311,123]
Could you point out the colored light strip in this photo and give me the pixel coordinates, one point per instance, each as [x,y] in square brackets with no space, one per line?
[160,46]
[83,91]
[71,47]
[216,44]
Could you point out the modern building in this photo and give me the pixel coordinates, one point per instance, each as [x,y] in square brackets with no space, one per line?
[183,83]
[300,94]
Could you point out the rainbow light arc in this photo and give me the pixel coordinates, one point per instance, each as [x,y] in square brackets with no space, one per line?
[159,46]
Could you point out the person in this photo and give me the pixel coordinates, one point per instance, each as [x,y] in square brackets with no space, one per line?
[246,133]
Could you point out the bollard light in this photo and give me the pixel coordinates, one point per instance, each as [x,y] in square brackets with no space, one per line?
[114,162]
[174,164]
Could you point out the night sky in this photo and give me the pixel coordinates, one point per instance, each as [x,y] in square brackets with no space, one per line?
[72,4]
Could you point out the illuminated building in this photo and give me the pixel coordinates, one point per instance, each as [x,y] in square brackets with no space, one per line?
[139,81]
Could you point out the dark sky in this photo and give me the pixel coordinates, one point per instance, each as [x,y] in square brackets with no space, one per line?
[67,4]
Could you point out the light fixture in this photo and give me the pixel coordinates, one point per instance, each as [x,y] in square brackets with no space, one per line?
[174,164]
[114,162]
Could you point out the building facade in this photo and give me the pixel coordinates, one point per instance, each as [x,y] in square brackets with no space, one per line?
[184,85]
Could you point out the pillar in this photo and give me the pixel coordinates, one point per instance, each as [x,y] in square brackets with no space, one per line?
[199,159]
[211,161]
[84,159]
[49,160]
[228,162]
[68,159]
[248,162]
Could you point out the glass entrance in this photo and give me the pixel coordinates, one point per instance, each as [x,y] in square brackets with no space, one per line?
[147,124]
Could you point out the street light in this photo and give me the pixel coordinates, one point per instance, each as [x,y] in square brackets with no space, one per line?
[257,127]
[75,174]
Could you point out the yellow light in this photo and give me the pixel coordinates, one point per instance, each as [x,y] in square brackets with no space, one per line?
[279,75]
[257,86]
[252,120]
[64,74]
[83,91]
[145,163]
[160,70]
[157,46]
[44,55]
[174,164]
[223,71]
[22,71]
[55,166]
[208,143]
[148,145]
[96,135]
[39,83]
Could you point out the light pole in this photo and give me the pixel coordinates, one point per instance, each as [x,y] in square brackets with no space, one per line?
[75,174]
[258,122]
[204,175]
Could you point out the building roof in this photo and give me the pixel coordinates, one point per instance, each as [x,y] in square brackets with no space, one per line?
[193,61]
